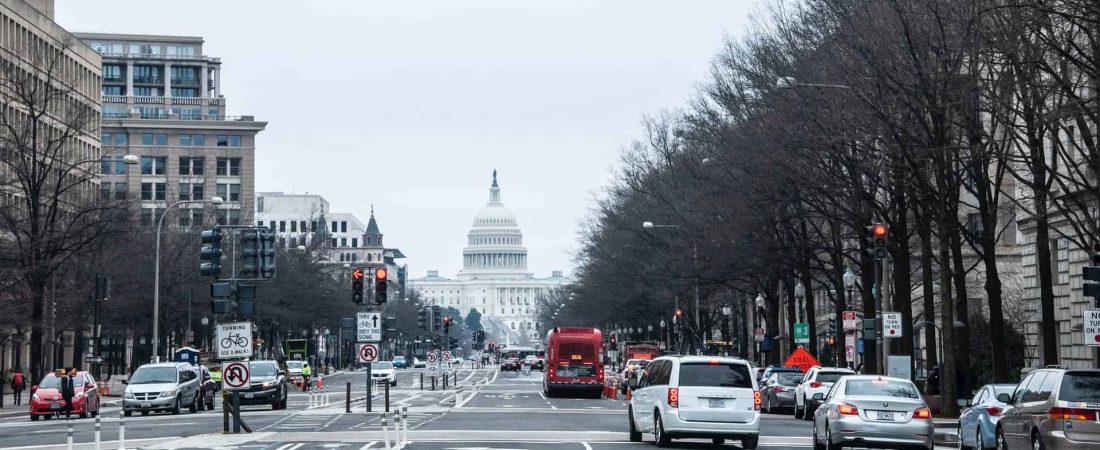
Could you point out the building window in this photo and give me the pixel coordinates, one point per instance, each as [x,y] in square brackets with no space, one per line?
[153,191]
[144,49]
[185,92]
[153,165]
[154,139]
[231,140]
[120,138]
[354,242]
[184,75]
[229,167]
[282,226]
[343,242]
[302,225]
[333,243]
[234,217]
[334,226]
[117,191]
[230,192]
[185,140]
[150,216]
[111,90]
[260,223]
[343,226]
[181,50]
[191,191]
[260,205]
[190,217]
[293,226]
[112,165]
[198,140]
[190,165]
[147,74]
[112,72]
[147,91]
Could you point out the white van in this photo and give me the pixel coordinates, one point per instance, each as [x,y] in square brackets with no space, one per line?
[696,397]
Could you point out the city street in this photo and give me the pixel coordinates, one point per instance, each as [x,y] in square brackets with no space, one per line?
[507,411]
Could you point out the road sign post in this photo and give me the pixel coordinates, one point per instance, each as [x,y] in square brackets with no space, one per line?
[235,375]
[851,321]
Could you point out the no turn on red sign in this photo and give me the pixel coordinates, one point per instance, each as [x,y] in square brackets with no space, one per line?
[1091,319]
[368,353]
[891,324]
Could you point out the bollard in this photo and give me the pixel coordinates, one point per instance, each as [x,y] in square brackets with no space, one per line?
[347,399]
[97,431]
[69,436]
[387,396]
[385,433]
[326,396]
[397,442]
[422,381]
[433,383]
[445,381]
[405,420]
[121,429]
[225,411]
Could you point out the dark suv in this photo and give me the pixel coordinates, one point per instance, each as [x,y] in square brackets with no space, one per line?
[267,385]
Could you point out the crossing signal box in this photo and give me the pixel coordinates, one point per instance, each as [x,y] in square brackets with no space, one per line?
[357,276]
[381,282]
[422,318]
[878,238]
[1091,274]
[210,255]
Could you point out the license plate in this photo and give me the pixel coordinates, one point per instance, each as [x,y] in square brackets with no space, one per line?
[881,415]
[146,405]
[55,406]
[716,402]
[249,395]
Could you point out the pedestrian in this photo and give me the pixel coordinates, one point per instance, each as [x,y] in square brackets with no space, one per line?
[17,386]
[306,372]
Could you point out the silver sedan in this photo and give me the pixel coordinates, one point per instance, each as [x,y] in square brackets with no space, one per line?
[872,411]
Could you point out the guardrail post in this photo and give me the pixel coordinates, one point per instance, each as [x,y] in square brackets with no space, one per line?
[97,431]
[69,435]
[385,433]
[347,399]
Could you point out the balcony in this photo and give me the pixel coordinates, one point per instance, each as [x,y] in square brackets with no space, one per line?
[148,80]
[144,56]
[142,100]
[185,81]
[135,115]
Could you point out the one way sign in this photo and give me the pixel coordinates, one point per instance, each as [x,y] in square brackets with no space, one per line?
[369,327]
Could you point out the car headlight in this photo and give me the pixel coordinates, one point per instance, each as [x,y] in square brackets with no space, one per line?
[35,397]
[80,394]
[171,393]
[128,394]
[270,384]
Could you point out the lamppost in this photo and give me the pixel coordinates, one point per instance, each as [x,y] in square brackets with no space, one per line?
[849,284]
[694,257]
[760,324]
[205,334]
[648,331]
[799,295]
[727,312]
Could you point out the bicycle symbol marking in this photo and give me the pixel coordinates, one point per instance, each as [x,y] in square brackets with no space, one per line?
[234,340]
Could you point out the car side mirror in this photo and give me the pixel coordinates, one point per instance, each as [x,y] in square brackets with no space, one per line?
[818,396]
[1004,397]
[970,403]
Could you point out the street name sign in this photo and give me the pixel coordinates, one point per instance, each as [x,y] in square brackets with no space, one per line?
[235,375]
[1092,327]
[851,321]
[891,324]
[368,327]
[368,353]
[234,340]
[802,333]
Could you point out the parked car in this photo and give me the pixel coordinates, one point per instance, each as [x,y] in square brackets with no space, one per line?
[46,398]
[383,372]
[1052,408]
[209,389]
[872,411]
[696,397]
[978,422]
[510,364]
[267,385]
[162,387]
[778,390]
[535,362]
[817,380]
[768,371]
[400,362]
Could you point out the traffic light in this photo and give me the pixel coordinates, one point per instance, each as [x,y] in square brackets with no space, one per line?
[446,324]
[422,318]
[211,253]
[878,237]
[1091,274]
[437,318]
[267,253]
[380,284]
[357,276]
[250,253]
[832,325]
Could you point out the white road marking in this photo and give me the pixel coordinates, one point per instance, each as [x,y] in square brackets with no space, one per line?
[586,446]
[369,445]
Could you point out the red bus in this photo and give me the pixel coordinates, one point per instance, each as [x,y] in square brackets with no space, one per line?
[573,361]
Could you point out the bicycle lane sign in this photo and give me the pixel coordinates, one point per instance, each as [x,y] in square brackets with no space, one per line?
[234,340]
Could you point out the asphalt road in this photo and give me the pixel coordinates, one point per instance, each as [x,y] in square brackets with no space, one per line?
[506,410]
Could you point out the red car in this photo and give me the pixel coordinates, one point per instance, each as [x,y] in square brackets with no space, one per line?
[46,397]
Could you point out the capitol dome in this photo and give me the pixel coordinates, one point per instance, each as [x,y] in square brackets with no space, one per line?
[494,246]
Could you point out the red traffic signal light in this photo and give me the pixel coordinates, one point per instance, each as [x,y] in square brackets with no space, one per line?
[380,274]
[879,230]
[357,274]
[679,312]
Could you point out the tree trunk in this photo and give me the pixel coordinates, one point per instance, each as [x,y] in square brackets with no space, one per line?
[962,335]
[948,407]
[928,281]
[996,308]
[901,275]
[1048,328]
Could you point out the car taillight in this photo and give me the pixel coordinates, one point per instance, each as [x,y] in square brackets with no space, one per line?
[673,397]
[779,389]
[756,400]
[922,413]
[847,410]
[815,385]
[994,410]
[1072,414]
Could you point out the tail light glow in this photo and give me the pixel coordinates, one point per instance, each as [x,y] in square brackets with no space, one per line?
[847,410]
[994,410]
[815,384]
[779,389]
[674,397]
[1072,414]
[922,413]
[757,400]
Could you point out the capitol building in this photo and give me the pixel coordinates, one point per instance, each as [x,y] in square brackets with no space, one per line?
[494,279]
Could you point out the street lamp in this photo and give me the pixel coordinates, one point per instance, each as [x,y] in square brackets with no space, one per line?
[849,284]
[793,83]
[727,312]
[760,322]
[648,331]
[205,334]
[156,266]
[799,294]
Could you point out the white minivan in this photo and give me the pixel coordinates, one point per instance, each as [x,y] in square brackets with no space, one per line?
[696,397]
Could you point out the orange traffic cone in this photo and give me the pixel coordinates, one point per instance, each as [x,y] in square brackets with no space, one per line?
[320,383]
[627,395]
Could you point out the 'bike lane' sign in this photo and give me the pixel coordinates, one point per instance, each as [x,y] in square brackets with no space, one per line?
[234,340]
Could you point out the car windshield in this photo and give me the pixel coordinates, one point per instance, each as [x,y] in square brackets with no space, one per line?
[1080,387]
[881,388]
[722,375]
[789,378]
[830,377]
[150,375]
[399,359]
[294,365]
[261,369]
[382,365]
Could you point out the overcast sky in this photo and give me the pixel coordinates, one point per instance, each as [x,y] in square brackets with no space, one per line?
[410,105]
